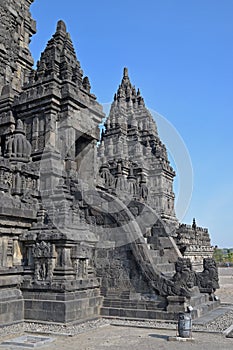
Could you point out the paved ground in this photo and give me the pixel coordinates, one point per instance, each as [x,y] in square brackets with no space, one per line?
[226,285]
[129,338]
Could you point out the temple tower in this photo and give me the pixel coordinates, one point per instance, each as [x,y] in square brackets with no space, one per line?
[57,107]
[61,118]
[133,153]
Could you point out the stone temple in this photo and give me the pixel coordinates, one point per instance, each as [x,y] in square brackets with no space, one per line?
[87,220]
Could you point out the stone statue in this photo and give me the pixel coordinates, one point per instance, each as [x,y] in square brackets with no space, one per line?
[208,278]
[184,278]
[183,283]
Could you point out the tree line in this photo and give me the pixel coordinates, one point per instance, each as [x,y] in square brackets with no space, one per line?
[223,256]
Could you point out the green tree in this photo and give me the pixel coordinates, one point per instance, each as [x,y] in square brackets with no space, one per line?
[218,255]
[229,256]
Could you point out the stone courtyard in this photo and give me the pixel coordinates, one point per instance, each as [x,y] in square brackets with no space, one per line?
[118,338]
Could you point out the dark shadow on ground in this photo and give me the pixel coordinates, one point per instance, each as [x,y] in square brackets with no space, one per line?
[159,336]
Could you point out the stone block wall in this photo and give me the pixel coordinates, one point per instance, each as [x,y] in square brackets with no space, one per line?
[11,306]
[61,307]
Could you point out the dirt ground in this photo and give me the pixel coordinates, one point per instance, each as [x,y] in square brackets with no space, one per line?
[129,338]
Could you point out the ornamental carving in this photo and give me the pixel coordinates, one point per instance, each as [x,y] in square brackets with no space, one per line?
[43,250]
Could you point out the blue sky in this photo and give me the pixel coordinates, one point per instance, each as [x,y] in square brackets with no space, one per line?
[180,54]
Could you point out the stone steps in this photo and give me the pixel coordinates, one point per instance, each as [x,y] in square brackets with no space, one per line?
[205,308]
[115,294]
[199,300]
[134,304]
[137,310]
[159,259]
[162,262]
[139,314]
[135,313]
[132,308]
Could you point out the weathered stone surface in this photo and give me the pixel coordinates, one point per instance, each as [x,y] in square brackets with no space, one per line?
[16,28]
[11,306]
[194,243]
[62,307]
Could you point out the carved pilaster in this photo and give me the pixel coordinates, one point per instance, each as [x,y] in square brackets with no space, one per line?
[44,256]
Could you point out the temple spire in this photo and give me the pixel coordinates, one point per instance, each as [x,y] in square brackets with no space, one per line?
[126,73]
[133,150]
[61,27]
[59,61]
[125,80]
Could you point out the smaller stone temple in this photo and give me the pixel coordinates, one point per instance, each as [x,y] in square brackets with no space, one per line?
[194,243]
[87,219]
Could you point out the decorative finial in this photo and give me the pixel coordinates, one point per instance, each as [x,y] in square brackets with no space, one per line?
[194,225]
[19,126]
[126,75]
[61,27]
[86,84]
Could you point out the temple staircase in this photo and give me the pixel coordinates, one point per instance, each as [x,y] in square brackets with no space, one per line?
[123,305]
